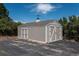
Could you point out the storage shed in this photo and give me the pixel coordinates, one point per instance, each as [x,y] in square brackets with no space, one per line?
[40,31]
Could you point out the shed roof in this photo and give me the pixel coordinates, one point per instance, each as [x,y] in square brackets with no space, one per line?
[40,23]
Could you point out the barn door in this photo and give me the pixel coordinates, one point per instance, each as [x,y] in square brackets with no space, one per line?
[58,33]
[55,33]
[52,35]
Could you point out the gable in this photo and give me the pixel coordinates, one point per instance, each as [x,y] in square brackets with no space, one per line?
[55,24]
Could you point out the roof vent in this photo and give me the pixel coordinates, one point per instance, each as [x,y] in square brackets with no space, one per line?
[37,21]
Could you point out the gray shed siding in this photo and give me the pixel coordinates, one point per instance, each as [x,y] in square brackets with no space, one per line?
[35,33]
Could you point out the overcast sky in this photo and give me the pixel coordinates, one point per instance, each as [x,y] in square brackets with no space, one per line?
[27,12]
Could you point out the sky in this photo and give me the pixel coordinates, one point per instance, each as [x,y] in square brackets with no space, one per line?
[27,12]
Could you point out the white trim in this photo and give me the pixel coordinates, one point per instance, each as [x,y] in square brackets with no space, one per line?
[24,28]
[61,34]
[27,33]
[21,33]
[55,33]
[50,38]
[24,32]
[54,23]
[36,41]
[18,32]
[46,34]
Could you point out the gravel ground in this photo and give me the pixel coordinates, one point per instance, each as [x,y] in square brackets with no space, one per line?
[26,48]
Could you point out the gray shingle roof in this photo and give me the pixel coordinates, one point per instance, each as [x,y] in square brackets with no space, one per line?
[41,23]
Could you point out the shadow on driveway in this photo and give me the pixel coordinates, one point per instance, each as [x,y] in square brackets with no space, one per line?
[27,48]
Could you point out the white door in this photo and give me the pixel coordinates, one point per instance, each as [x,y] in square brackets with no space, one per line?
[58,33]
[24,33]
[52,35]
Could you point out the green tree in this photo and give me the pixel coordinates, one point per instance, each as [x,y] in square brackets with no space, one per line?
[70,26]
[64,22]
[3,11]
[7,25]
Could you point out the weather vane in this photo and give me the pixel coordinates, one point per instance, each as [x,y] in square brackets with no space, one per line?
[38,16]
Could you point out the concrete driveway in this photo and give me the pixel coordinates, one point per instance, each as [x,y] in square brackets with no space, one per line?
[26,48]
